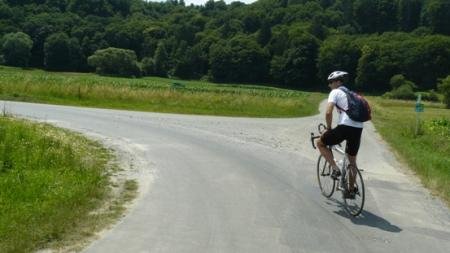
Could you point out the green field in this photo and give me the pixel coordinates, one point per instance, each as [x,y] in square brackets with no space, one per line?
[51,180]
[155,94]
[428,151]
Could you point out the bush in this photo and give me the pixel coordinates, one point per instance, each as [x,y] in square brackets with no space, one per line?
[16,49]
[401,88]
[398,80]
[444,88]
[115,61]
[402,92]
[430,96]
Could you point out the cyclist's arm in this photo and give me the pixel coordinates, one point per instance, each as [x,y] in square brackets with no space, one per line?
[329,114]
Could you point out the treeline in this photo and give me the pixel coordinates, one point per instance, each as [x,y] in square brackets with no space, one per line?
[291,43]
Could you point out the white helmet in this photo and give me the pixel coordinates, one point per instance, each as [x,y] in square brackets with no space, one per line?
[337,75]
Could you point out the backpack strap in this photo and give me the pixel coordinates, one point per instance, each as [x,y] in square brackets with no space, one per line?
[345,90]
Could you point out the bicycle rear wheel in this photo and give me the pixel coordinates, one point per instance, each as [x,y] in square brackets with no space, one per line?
[326,183]
[355,206]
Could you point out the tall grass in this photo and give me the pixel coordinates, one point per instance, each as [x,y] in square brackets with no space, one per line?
[49,181]
[155,94]
[428,150]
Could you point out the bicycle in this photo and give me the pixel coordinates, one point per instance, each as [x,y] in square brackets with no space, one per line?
[328,185]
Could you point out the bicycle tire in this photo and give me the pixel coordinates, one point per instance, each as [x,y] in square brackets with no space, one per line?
[326,183]
[355,206]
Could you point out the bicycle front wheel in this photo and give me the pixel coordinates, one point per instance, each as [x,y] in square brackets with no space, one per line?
[326,183]
[355,206]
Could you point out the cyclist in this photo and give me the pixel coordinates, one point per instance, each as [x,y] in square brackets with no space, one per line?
[346,129]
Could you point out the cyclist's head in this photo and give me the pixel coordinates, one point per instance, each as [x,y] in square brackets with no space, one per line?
[337,76]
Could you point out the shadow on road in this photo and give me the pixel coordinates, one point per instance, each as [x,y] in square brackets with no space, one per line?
[366,218]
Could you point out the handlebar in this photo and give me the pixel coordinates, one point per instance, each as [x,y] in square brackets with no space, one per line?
[322,128]
[313,138]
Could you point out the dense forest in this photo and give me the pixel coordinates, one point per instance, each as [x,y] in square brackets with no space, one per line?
[289,43]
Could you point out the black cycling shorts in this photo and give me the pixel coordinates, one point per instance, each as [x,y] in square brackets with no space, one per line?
[342,132]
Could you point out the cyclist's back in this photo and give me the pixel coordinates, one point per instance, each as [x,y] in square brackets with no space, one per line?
[339,98]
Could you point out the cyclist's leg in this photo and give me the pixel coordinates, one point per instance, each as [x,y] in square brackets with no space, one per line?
[330,137]
[353,137]
[352,167]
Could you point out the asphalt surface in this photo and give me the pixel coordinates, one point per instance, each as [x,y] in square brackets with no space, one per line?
[221,184]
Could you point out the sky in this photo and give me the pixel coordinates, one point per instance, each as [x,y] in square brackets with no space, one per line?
[202,2]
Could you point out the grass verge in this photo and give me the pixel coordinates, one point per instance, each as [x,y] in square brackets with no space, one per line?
[155,94]
[52,184]
[426,152]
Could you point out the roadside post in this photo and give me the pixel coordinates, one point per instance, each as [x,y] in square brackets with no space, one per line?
[419,109]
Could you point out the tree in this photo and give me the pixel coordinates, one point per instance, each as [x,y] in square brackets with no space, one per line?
[409,14]
[346,7]
[220,61]
[296,68]
[61,52]
[436,14]
[366,75]
[428,60]
[338,53]
[444,88]
[240,59]
[91,7]
[386,16]
[115,61]
[250,61]
[148,66]
[365,13]
[16,49]
[264,34]
[161,60]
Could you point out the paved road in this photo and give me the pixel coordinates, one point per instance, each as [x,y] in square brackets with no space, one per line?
[218,184]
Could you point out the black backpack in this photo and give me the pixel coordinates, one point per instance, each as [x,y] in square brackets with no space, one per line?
[358,107]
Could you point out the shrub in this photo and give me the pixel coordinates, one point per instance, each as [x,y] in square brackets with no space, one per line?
[401,88]
[16,49]
[402,92]
[430,96]
[115,61]
[399,80]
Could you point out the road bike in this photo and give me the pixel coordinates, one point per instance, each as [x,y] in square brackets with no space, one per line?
[328,185]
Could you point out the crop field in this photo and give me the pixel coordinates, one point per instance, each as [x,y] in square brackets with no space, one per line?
[155,94]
